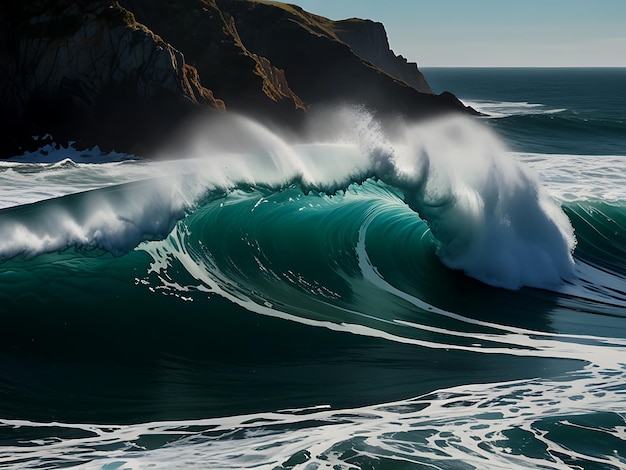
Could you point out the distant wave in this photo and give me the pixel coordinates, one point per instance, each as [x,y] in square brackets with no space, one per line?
[500,109]
[537,116]
[538,127]
[52,152]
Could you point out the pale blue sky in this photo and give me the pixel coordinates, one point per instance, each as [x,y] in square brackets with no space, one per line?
[487,33]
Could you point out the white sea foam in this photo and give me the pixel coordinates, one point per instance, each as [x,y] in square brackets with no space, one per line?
[114,221]
[26,183]
[499,109]
[52,153]
[473,426]
[55,170]
[579,177]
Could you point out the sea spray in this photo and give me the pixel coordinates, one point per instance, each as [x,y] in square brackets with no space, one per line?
[236,150]
[489,214]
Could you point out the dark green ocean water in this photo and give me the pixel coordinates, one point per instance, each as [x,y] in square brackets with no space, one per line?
[451,297]
[574,110]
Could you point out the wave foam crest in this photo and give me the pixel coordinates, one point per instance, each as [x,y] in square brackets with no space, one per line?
[489,213]
[491,216]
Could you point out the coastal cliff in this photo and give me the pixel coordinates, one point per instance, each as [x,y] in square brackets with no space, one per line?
[211,43]
[127,74]
[323,69]
[88,72]
[368,39]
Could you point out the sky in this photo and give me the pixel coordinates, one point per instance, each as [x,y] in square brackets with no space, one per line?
[494,33]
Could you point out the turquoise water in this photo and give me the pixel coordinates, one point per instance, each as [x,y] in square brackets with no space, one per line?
[453,296]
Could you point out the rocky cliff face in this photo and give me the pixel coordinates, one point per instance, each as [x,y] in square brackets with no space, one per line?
[211,43]
[125,74]
[87,71]
[368,39]
[320,67]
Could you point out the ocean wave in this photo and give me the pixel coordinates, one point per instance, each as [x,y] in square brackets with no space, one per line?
[563,133]
[234,285]
[549,129]
[489,216]
[565,121]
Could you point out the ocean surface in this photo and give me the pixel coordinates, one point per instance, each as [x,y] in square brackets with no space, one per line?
[445,295]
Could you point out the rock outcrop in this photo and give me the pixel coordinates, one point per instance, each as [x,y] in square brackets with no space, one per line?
[87,71]
[323,69]
[210,41]
[368,39]
[126,74]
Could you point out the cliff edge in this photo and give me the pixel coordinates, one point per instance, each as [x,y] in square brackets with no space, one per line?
[323,69]
[368,39]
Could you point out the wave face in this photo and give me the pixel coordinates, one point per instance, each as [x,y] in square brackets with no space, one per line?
[374,302]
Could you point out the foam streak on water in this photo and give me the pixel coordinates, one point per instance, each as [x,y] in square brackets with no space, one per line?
[500,109]
[473,426]
[574,177]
